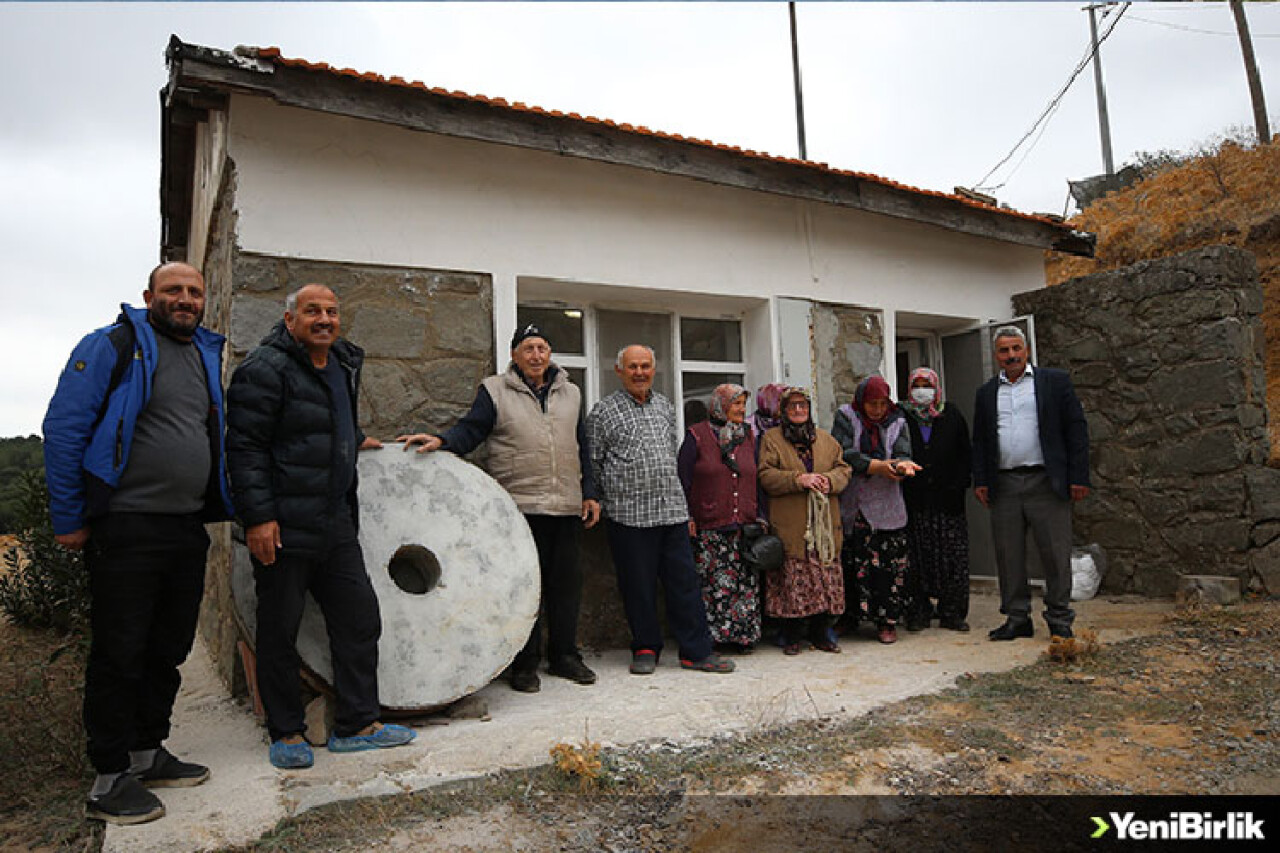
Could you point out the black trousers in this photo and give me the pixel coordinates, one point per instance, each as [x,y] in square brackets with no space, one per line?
[643,556]
[557,539]
[338,582]
[146,579]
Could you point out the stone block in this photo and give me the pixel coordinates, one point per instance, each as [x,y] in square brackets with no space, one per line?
[388,332]
[1223,494]
[452,380]
[461,326]
[1207,537]
[1262,485]
[318,718]
[1093,375]
[262,274]
[1265,564]
[1197,386]
[1264,533]
[1086,348]
[1220,338]
[388,396]
[251,318]
[1208,589]
[1210,452]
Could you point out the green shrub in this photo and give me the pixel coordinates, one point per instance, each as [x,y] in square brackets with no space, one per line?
[45,585]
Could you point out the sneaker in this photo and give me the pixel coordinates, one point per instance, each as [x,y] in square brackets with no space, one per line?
[291,756]
[644,662]
[166,771]
[711,663]
[888,635]
[572,668]
[525,681]
[126,803]
[383,736]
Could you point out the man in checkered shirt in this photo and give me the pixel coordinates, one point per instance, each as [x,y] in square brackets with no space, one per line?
[632,436]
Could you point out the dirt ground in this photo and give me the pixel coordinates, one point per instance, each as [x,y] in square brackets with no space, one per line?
[1192,708]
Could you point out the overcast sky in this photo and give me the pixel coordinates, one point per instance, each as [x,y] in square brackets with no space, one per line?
[932,95]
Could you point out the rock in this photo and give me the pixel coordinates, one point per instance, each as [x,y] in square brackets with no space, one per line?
[468,708]
[319,720]
[1208,589]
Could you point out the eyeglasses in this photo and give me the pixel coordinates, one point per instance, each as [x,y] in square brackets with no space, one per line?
[798,404]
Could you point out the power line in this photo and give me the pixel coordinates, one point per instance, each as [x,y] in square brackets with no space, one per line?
[1200,31]
[1052,107]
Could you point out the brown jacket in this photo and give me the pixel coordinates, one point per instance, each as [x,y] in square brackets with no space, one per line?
[789,502]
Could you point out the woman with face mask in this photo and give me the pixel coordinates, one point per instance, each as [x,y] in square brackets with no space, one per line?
[937,532]
[877,446]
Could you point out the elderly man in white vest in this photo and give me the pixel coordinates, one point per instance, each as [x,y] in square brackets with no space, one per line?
[531,415]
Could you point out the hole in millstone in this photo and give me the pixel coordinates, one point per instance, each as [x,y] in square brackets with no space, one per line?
[414,569]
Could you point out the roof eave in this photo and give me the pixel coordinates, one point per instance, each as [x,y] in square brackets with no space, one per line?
[197,68]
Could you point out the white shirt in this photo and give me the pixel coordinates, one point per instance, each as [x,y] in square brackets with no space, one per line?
[1017,422]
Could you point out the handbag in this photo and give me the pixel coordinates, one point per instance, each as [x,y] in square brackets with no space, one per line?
[761,551]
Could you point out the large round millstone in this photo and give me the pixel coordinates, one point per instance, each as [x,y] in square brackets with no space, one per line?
[455,569]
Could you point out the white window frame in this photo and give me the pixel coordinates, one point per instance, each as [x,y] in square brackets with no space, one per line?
[589,360]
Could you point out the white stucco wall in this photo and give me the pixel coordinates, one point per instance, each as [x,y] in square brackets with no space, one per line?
[341,189]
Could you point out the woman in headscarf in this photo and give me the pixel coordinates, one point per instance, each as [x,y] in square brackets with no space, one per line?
[937,532]
[877,446]
[802,472]
[717,466]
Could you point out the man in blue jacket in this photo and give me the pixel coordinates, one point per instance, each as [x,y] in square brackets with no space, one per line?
[134,461]
[1030,463]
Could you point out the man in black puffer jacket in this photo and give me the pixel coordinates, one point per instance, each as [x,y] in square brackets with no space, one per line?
[292,438]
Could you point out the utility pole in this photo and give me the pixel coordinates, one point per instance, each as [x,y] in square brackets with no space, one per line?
[795,68]
[1251,72]
[1104,124]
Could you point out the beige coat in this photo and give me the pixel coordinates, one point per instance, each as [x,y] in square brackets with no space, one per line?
[788,501]
[534,454]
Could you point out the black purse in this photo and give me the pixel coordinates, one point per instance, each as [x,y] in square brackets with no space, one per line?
[761,551]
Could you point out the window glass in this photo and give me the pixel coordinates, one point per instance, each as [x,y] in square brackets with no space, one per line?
[562,326]
[698,386]
[710,340]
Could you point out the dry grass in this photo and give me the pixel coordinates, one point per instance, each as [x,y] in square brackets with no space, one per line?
[42,743]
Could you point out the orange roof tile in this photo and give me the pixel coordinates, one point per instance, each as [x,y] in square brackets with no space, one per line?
[274,55]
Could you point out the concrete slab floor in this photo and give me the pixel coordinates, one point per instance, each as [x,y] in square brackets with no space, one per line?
[245,796]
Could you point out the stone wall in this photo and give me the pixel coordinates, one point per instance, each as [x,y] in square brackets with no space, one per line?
[1167,357]
[427,334]
[848,346]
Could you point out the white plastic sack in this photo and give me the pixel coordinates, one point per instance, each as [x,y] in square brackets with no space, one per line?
[1088,565]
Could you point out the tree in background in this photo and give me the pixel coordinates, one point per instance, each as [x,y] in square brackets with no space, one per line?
[44,585]
[17,455]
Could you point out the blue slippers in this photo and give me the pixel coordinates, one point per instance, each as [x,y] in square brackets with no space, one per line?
[385,736]
[291,756]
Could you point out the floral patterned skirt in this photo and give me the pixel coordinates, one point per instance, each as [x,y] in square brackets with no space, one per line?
[729,590]
[804,586]
[875,565]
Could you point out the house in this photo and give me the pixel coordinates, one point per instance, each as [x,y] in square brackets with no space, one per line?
[444,219]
